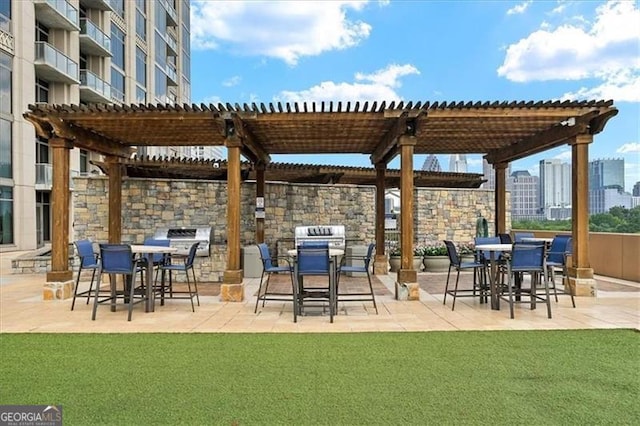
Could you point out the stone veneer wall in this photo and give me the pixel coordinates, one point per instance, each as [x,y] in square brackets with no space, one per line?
[149,204]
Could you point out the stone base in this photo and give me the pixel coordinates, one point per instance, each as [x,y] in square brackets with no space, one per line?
[582,287]
[232,292]
[407,291]
[57,290]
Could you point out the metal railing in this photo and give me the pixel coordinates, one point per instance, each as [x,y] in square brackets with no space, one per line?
[92,81]
[49,55]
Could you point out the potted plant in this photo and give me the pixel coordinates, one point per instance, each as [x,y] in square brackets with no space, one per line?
[436,258]
[395,254]
[466,251]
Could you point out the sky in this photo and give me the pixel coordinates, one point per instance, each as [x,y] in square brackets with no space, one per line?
[305,51]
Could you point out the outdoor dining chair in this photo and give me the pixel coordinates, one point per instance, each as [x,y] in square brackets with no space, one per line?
[347,268]
[561,248]
[479,289]
[518,236]
[313,260]
[186,266]
[117,259]
[156,259]
[270,265]
[88,262]
[530,259]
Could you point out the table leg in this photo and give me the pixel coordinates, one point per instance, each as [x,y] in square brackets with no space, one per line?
[149,303]
[493,280]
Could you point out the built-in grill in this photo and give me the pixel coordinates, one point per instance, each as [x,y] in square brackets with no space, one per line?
[183,237]
[334,234]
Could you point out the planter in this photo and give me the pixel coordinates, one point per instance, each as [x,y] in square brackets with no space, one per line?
[395,261]
[436,263]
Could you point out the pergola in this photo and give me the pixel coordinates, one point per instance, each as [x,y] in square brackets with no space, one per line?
[501,131]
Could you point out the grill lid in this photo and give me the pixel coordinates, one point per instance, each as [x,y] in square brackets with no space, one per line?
[181,233]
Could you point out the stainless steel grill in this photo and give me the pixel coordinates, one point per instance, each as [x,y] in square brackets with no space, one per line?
[334,234]
[183,237]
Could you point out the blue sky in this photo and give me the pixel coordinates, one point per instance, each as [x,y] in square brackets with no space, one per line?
[251,51]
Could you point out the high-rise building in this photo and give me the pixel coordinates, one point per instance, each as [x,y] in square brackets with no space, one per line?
[555,184]
[78,52]
[458,163]
[636,189]
[431,164]
[606,173]
[524,195]
[489,175]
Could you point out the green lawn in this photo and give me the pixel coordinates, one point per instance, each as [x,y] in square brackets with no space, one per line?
[497,377]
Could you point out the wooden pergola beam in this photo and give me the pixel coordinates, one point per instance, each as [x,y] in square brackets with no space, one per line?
[389,142]
[251,147]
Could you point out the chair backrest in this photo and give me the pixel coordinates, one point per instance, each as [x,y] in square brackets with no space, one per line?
[558,248]
[568,248]
[484,254]
[265,256]
[527,257]
[318,243]
[116,259]
[370,250]
[150,241]
[505,239]
[313,259]
[84,249]
[192,254]
[518,236]
[452,252]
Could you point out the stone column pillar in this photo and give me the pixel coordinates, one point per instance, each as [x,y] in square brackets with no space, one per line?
[407,276]
[232,288]
[581,281]
[59,284]
[500,198]
[380,265]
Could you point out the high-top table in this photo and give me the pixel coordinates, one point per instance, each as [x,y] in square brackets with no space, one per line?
[148,252]
[493,275]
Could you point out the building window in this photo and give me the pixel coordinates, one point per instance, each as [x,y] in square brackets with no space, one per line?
[141,67]
[42,33]
[141,19]
[6,215]
[6,149]
[161,85]
[5,83]
[84,162]
[117,85]
[118,7]
[141,95]
[117,47]
[42,91]
[42,151]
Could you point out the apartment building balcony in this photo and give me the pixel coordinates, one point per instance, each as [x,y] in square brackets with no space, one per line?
[172,15]
[172,74]
[57,14]
[53,65]
[172,44]
[93,40]
[97,4]
[93,89]
[44,176]
[117,96]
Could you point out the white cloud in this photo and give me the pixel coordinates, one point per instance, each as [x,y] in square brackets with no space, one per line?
[564,155]
[629,147]
[285,30]
[377,86]
[518,9]
[233,81]
[606,50]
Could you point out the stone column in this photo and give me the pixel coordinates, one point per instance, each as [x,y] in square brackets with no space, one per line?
[59,284]
[407,276]
[232,288]
[380,265]
[581,281]
[500,198]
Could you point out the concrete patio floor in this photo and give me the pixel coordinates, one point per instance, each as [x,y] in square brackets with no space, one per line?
[22,309]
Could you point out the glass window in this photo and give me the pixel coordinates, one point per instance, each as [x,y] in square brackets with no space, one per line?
[84,161]
[6,215]
[161,85]
[186,42]
[5,8]
[186,66]
[117,46]
[141,67]
[42,91]
[42,151]
[117,85]
[42,32]
[141,25]
[185,13]
[5,83]
[141,95]
[161,19]
[118,7]
[6,162]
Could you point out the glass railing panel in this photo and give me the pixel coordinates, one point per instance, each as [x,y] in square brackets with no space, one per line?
[117,95]
[171,11]
[52,56]
[91,80]
[44,174]
[90,29]
[64,8]
[5,24]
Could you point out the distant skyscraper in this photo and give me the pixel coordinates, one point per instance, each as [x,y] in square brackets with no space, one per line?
[555,184]
[524,195]
[458,163]
[431,164]
[607,173]
[636,189]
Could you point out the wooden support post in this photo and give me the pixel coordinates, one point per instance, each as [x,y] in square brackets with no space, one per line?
[500,198]
[380,265]
[232,288]
[407,275]
[115,200]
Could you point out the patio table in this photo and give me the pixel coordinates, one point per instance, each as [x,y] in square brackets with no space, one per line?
[493,274]
[148,252]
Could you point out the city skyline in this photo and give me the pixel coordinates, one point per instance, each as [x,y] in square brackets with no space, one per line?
[347,51]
